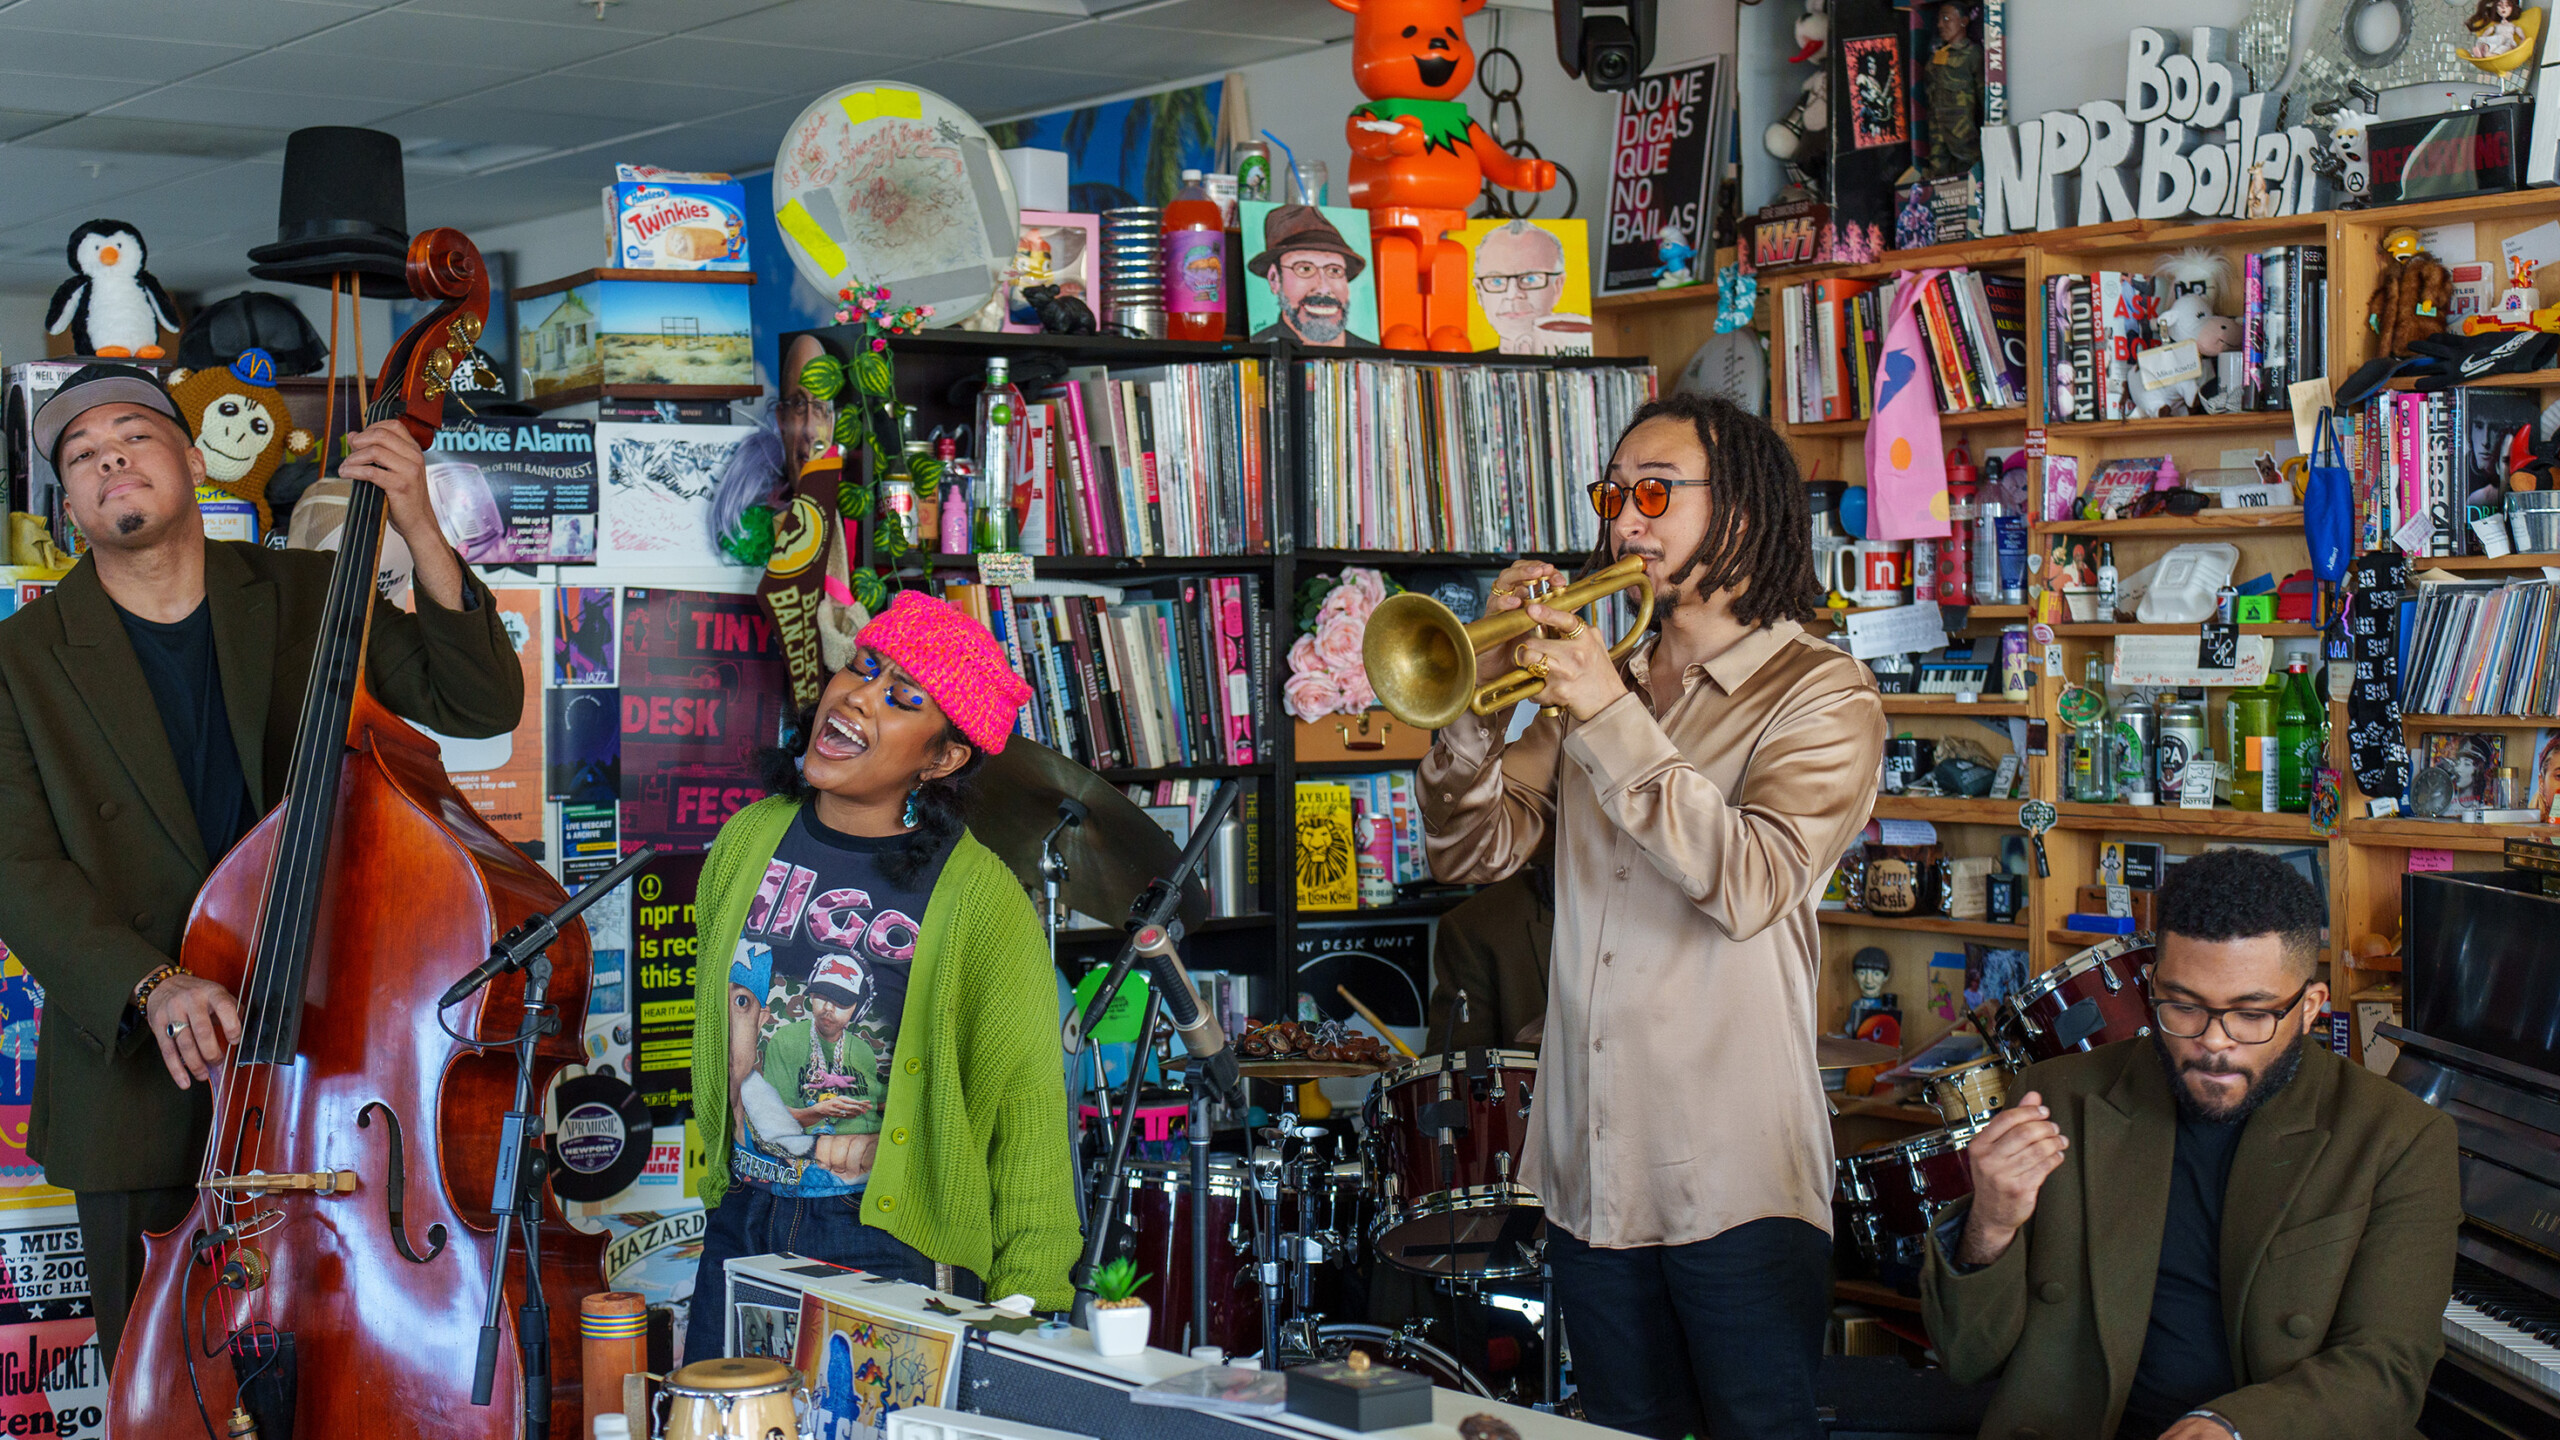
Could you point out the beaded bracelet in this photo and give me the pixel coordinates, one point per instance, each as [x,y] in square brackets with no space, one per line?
[151,982]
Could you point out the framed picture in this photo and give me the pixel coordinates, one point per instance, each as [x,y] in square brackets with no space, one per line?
[1054,249]
[1529,286]
[1664,166]
[656,484]
[1309,270]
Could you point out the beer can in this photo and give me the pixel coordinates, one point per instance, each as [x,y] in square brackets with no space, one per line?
[2011,536]
[2182,739]
[898,506]
[2017,673]
[2137,736]
[1252,160]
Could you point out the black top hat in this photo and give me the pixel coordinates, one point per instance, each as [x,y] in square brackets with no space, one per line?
[344,208]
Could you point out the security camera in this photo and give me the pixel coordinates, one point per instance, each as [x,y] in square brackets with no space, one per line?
[1608,47]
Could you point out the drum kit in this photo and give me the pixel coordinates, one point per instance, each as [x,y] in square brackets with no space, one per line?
[1889,1197]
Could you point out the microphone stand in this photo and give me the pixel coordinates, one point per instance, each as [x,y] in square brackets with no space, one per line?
[515,1197]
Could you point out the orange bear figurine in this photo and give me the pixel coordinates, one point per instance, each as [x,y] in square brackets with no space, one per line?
[1418,160]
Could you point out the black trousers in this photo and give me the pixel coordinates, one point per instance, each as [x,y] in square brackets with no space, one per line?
[1719,1338]
[112,1224]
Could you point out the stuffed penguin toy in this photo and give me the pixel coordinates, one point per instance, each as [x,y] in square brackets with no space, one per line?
[243,431]
[112,306]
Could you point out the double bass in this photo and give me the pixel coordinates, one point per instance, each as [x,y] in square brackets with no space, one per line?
[333,1275]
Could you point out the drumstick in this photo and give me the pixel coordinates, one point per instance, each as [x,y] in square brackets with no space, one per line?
[1375,1023]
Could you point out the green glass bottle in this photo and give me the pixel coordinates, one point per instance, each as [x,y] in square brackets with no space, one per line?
[2300,737]
[2256,781]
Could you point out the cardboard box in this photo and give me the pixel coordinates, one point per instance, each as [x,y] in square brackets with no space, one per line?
[667,225]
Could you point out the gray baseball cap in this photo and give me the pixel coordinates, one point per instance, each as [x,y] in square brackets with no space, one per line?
[91,386]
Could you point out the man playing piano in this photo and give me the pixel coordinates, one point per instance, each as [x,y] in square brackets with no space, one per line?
[2221,1232]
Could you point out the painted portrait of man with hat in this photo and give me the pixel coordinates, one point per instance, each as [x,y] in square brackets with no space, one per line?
[1314,278]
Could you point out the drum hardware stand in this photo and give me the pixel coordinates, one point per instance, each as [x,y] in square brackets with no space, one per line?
[1115,1170]
[1550,1328]
[516,1194]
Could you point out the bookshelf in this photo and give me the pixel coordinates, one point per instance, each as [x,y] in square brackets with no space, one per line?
[931,370]
[2365,857]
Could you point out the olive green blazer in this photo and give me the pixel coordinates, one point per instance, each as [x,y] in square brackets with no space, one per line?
[100,859]
[2337,1257]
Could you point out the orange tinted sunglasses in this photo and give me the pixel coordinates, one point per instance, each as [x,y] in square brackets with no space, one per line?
[1653,496]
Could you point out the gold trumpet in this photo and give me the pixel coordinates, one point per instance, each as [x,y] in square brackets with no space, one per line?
[1422,658]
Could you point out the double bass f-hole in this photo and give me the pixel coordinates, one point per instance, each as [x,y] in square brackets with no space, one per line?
[396,1187]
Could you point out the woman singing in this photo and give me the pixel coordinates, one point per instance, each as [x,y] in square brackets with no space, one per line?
[876,1061]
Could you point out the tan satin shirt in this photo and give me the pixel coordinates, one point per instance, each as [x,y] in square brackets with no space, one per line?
[1677,1096]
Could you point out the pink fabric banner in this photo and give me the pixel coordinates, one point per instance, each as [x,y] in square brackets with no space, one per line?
[1906,454]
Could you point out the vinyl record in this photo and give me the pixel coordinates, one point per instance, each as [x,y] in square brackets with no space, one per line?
[600,1142]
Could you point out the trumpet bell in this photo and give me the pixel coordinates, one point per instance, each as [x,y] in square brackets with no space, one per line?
[1421,661]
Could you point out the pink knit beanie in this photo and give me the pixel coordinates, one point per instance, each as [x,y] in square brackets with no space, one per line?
[957,662]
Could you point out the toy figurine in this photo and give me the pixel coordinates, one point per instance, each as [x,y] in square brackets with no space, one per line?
[2410,296]
[1873,969]
[2192,285]
[1419,160]
[111,305]
[2503,36]
[1951,86]
[1677,253]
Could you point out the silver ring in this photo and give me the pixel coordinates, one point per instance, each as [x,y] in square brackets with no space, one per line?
[175,1027]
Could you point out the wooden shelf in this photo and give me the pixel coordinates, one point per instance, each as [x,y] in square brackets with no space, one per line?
[1979,709]
[2478,722]
[1440,559]
[2162,235]
[1130,568]
[1968,420]
[1949,809]
[2173,425]
[1184,772]
[2281,629]
[2220,822]
[2528,378]
[1973,614]
[1702,293]
[2444,834]
[2509,205]
[2210,522]
[1931,924]
[2490,563]
[2074,941]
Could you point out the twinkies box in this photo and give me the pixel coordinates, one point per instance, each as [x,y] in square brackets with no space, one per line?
[677,225]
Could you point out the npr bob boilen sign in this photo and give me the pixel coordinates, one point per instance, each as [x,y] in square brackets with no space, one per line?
[2184,142]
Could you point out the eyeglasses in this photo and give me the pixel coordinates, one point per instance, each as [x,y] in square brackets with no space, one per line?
[800,406]
[1309,270]
[2169,502]
[1530,283]
[2246,1025]
[1653,496]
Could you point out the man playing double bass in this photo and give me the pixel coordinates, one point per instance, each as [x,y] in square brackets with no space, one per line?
[147,712]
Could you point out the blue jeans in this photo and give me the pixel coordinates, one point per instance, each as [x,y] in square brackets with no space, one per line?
[758,1222]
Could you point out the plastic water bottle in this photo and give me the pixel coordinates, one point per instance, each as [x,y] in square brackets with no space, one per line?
[1195,263]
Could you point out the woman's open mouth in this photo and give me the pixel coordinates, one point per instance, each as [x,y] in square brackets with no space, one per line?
[840,739]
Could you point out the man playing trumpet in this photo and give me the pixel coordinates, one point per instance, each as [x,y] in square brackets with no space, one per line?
[1698,795]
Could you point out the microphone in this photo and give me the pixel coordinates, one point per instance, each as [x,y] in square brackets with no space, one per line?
[518,946]
[1156,907]
[1199,1029]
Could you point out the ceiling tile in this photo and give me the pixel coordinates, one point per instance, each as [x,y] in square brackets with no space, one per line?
[480,123]
[1135,53]
[61,94]
[1008,89]
[764,69]
[640,103]
[214,105]
[383,77]
[634,17]
[217,22]
[126,57]
[904,28]
[136,135]
[468,41]
[14,123]
[1290,19]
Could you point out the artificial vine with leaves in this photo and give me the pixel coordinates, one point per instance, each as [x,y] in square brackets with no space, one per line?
[867,421]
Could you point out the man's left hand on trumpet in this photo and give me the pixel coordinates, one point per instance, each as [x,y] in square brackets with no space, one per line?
[1574,660]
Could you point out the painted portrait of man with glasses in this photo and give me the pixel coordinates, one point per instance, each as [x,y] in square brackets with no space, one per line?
[1313,273]
[1521,275]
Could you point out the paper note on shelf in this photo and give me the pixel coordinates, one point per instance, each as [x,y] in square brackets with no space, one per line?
[2153,661]
[1907,832]
[1898,631]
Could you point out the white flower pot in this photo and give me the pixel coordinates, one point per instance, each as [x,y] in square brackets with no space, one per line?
[1120,1329]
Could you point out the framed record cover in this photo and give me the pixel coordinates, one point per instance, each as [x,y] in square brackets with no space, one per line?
[1665,162]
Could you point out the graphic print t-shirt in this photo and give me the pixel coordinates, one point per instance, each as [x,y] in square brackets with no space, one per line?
[816,990]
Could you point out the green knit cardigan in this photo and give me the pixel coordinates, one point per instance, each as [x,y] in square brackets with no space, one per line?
[979,1088]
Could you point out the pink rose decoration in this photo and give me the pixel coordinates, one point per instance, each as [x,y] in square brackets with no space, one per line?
[1338,643]
[1356,694]
[1311,696]
[1302,657]
[1370,583]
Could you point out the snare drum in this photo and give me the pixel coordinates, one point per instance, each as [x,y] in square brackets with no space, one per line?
[739,1399]
[1892,1194]
[1462,1211]
[2091,999]
[1967,1096]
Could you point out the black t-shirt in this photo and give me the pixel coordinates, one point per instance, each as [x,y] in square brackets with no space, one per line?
[2186,1356]
[817,988]
[186,684]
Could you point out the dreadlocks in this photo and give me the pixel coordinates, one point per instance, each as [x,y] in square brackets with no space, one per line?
[1759,525]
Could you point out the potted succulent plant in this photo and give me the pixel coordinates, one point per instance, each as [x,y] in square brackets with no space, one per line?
[1119,1317]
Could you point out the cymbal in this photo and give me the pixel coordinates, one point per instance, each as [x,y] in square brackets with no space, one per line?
[1111,857]
[1835,1052]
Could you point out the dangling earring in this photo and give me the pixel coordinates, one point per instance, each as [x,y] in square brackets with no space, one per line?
[915,810]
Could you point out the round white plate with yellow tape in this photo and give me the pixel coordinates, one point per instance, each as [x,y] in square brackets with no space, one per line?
[879,183]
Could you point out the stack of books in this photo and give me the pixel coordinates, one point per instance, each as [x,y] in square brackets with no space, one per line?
[1167,460]
[1359,839]
[2481,649]
[2418,459]
[1973,327]
[1134,680]
[2096,325]
[1425,457]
